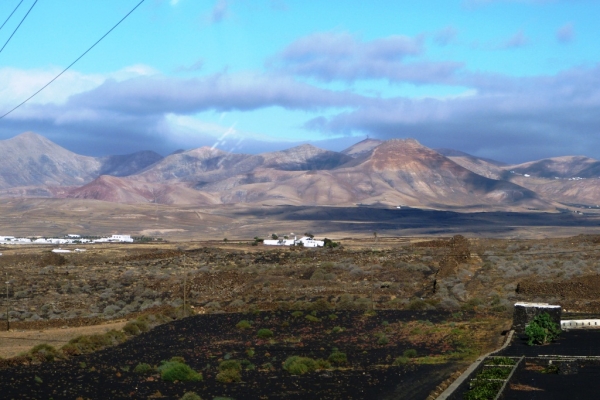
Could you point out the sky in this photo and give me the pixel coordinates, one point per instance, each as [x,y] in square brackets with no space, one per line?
[511,80]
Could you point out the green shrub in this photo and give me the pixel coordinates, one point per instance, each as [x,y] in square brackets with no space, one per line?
[243,324]
[131,329]
[229,371]
[264,333]
[337,329]
[417,305]
[410,353]
[190,396]
[338,358]
[143,368]
[500,361]
[172,371]
[383,340]
[297,314]
[297,365]
[481,390]
[230,364]
[320,305]
[400,361]
[312,318]
[91,343]
[43,352]
[494,373]
[229,376]
[542,330]
[322,364]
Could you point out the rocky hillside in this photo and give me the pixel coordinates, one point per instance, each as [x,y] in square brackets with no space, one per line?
[31,160]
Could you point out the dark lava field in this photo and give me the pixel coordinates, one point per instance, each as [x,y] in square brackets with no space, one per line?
[372,342]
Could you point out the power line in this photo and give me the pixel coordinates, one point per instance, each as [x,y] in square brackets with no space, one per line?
[73,63]
[17,28]
[11,14]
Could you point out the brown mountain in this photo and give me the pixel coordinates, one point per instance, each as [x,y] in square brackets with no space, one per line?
[560,167]
[205,165]
[32,160]
[482,166]
[128,164]
[395,172]
[362,148]
[123,190]
[371,172]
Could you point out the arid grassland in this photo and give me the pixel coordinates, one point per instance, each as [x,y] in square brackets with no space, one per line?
[448,299]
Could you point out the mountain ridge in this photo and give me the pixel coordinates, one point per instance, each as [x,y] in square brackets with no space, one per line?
[393,172]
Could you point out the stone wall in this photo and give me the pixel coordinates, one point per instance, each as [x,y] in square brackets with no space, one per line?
[524,313]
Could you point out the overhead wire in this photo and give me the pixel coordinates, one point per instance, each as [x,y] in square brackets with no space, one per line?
[73,63]
[18,26]
[11,14]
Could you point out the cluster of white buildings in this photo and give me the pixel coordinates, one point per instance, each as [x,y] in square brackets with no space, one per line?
[69,239]
[304,241]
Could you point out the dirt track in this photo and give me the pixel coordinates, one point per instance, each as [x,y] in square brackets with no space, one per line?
[16,341]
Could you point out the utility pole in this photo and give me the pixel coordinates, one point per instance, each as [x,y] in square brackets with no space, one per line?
[184,288]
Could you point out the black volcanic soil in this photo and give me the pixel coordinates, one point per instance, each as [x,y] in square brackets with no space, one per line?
[205,340]
[577,378]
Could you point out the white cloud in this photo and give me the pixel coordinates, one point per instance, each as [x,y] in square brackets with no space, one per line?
[16,85]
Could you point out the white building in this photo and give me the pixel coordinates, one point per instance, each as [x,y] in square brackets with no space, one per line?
[304,241]
[116,238]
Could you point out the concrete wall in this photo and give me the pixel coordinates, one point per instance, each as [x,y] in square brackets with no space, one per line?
[580,324]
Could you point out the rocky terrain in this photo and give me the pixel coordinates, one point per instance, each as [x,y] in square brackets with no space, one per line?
[113,281]
[446,298]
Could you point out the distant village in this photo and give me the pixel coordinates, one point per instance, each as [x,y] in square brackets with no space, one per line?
[68,239]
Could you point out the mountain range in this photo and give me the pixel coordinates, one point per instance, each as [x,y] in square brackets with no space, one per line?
[398,172]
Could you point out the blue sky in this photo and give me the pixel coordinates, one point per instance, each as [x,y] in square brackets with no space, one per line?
[513,80]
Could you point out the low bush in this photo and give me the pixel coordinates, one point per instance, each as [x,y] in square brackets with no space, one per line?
[143,368]
[190,396]
[483,390]
[320,305]
[312,318]
[297,365]
[229,376]
[43,352]
[382,340]
[172,371]
[264,333]
[494,373]
[131,329]
[500,361]
[410,353]
[229,371]
[542,330]
[244,324]
[401,361]
[90,343]
[230,364]
[337,329]
[297,314]
[338,358]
